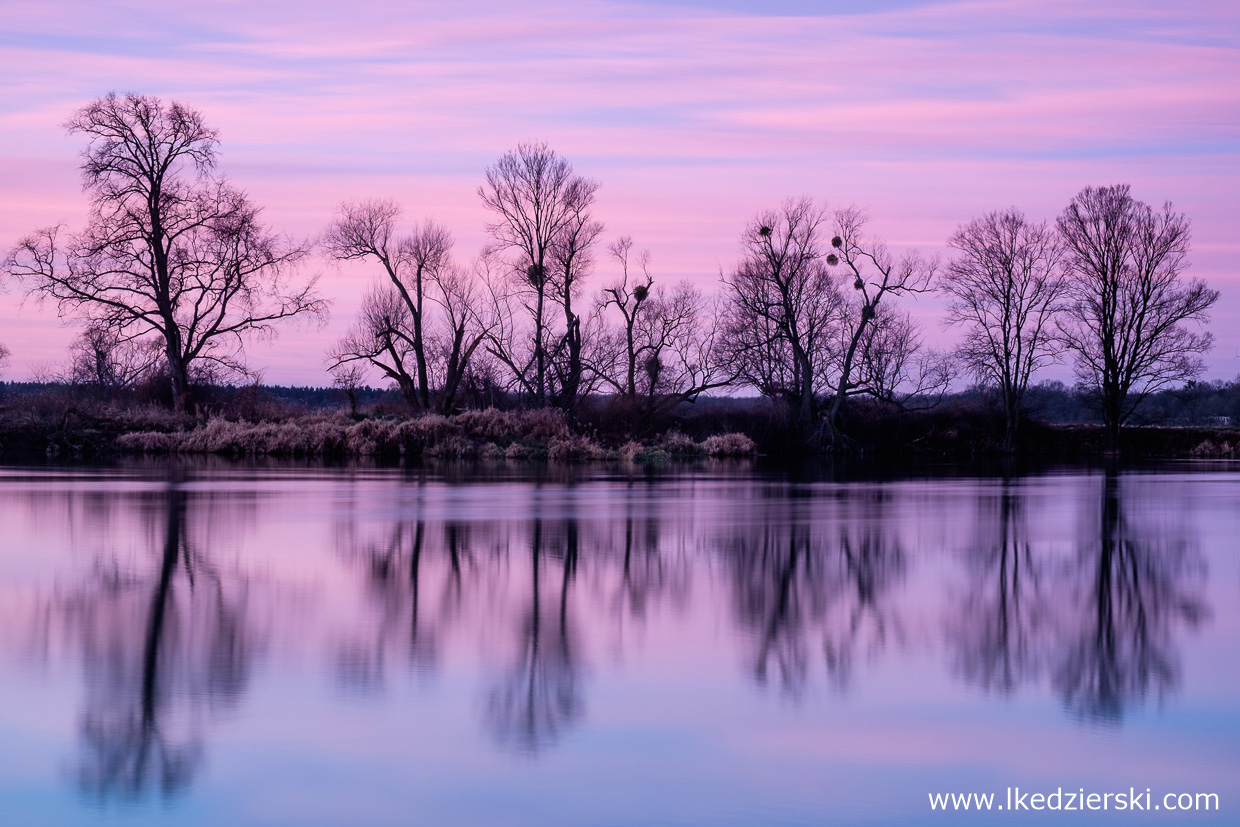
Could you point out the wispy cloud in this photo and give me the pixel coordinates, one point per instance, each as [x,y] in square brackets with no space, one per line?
[692,113]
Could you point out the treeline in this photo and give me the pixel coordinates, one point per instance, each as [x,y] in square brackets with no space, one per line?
[174,272]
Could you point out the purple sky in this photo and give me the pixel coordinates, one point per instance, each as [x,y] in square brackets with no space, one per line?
[693,115]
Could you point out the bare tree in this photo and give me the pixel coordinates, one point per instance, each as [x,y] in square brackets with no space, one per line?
[169,248]
[467,323]
[1128,305]
[378,336]
[393,328]
[542,222]
[783,306]
[1004,288]
[890,363]
[877,273]
[349,379]
[668,348]
[627,296]
[102,358]
[572,254]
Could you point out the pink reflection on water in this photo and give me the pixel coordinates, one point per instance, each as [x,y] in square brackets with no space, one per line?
[787,645]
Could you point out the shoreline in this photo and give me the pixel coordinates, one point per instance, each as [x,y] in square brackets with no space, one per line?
[544,435]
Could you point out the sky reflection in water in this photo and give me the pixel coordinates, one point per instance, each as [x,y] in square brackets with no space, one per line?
[211,644]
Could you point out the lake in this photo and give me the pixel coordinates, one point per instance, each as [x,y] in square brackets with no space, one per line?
[209,643]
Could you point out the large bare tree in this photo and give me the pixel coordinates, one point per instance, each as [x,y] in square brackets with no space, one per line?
[1004,288]
[170,247]
[784,305]
[544,228]
[1129,306]
[573,256]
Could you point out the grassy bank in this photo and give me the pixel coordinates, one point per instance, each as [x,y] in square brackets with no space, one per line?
[487,434]
[68,425]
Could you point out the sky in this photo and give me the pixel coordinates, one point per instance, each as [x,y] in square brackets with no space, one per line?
[692,114]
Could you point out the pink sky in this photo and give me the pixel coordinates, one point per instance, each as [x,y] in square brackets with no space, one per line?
[693,115]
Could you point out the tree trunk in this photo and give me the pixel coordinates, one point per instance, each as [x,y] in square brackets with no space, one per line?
[540,355]
[178,372]
[1010,416]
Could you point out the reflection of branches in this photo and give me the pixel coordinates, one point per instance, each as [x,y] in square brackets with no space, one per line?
[150,663]
[646,573]
[870,563]
[540,695]
[791,585]
[396,575]
[996,630]
[1105,630]
[1133,589]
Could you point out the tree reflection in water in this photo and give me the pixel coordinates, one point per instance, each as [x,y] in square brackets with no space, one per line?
[1101,624]
[996,634]
[1130,589]
[541,693]
[159,651]
[812,573]
[800,579]
[393,579]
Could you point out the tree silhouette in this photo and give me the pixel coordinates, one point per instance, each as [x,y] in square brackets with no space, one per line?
[171,249]
[1128,306]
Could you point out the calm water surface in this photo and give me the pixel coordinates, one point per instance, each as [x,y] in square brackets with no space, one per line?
[214,644]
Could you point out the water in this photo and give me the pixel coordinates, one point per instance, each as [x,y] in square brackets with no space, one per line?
[216,644]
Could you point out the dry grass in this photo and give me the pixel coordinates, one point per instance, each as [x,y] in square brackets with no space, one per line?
[680,445]
[576,449]
[490,434]
[1210,450]
[729,445]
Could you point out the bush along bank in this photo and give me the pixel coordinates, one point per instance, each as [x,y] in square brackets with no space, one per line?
[67,426]
[486,434]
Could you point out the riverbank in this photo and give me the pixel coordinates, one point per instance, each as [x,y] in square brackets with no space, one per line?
[92,430]
[487,434]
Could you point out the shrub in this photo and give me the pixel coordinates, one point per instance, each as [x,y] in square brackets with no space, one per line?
[636,452]
[561,449]
[544,425]
[418,436]
[729,445]
[372,437]
[1209,450]
[678,444]
[518,451]
[452,447]
[147,442]
[631,451]
[490,425]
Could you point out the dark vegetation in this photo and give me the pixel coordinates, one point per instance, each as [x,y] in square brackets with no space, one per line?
[1199,420]
[805,348]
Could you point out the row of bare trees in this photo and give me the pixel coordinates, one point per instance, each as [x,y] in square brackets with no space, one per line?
[1104,285]
[174,271]
[518,317]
